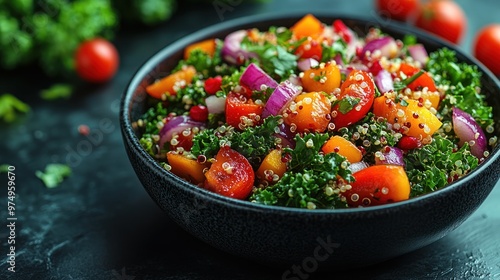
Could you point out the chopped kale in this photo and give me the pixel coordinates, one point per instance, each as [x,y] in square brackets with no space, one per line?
[311,181]
[462,81]
[253,142]
[371,133]
[206,65]
[436,164]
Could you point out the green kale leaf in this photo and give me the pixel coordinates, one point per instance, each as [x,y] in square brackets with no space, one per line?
[436,164]
[252,142]
[371,133]
[463,82]
[311,181]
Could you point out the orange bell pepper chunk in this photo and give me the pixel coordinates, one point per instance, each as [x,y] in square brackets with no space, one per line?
[189,169]
[344,147]
[207,46]
[308,26]
[171,83]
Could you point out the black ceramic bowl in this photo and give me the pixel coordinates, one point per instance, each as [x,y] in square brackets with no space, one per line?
[331,239]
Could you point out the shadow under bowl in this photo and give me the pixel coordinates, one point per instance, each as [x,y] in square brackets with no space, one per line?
[280,236]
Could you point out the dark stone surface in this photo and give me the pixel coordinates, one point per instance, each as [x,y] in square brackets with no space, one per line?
[101,224]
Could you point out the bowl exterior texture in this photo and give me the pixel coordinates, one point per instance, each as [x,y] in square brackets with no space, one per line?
[280,236]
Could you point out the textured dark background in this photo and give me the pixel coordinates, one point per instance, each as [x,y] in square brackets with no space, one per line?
[101,224]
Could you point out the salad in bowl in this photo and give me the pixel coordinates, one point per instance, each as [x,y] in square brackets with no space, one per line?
[317,116]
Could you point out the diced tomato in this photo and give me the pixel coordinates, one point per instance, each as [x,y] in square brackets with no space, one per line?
[213,84]
[230,175]
[242,111]
[360,90]
[310,49]
[378,184]
[340,28]
[423,81]
[183,140]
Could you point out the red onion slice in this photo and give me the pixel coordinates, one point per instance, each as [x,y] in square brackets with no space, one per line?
[215,105]
[176,125]
[468,130]
[384,81]
[390,155]
[284,93]
[255,78]
[307,63]
[286,135]
[419,53]
[231,49]
[386,45]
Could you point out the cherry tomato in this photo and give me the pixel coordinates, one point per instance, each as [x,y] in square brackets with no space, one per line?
[241,111]
[444,18]
[96,60]
[486,46]
[230,175]
[377,185]
[359,89]
[400,10]
[310,49]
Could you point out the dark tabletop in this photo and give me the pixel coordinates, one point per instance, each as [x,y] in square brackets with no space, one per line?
[101,224]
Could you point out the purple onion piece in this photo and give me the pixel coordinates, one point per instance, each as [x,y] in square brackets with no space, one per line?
[176,125]
[307,63]
[231,50]
[282,95]
[386,45]
[419,53]
[287,137]
[384,81]
[468,130]
[390,155]
[254,77]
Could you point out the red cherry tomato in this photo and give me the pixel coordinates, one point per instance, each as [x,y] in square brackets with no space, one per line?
[230,175]
[359,87]
[486,46]
[378,184]
[444,18]
[239,106]
[96,60]
[400,10]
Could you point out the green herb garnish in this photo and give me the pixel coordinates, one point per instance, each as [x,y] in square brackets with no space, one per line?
[54,174]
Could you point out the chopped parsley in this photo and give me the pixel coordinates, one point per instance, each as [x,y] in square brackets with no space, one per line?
[53,174]
[57,91]
[11,108]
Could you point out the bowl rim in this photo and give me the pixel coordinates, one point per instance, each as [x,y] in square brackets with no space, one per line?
[233,24]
